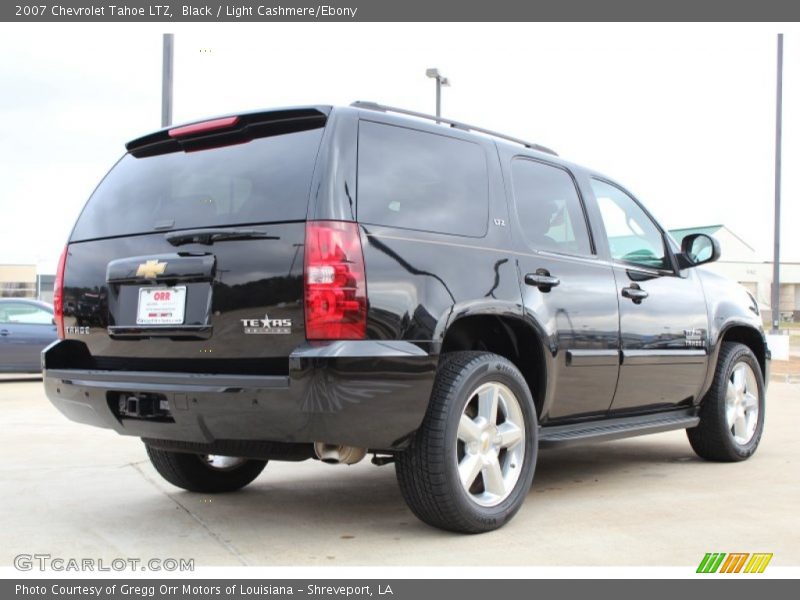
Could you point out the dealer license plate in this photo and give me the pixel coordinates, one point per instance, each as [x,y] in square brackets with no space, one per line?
[161,306]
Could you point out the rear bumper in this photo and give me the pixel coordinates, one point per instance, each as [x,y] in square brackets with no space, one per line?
[361,393]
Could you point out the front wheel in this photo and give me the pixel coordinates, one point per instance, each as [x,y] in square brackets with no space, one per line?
[470,465]
[732,412]
[204,472]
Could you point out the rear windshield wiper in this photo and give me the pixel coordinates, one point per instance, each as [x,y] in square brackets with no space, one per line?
[209,236]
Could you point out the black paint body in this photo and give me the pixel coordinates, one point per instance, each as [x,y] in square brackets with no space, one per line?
[588,352]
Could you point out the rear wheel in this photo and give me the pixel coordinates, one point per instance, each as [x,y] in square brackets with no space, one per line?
[204,472]
[732,412]
[470,465]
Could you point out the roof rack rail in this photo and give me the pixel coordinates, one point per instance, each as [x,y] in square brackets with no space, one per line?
[454,124]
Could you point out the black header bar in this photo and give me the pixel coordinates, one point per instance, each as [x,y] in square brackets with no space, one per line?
[170,11]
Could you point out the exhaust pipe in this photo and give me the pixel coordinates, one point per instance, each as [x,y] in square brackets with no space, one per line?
[334,455]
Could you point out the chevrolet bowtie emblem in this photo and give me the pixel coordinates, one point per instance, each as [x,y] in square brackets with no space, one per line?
[151,268]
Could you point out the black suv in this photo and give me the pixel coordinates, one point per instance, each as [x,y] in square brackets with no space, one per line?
[323,282]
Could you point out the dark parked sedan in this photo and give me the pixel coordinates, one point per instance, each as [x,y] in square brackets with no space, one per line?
[26,328]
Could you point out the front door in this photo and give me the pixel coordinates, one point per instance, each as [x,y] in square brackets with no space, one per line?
[663,318]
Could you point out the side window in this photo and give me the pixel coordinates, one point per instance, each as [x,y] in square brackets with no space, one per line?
[548,207]
[417,180]
[632,235]
[24,314]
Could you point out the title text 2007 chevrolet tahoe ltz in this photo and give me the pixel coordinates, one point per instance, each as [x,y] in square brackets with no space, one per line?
[323,282]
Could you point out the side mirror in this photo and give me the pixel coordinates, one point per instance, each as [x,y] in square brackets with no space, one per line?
[698,249]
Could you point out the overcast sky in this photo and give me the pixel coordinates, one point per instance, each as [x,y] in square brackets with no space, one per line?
[683,115]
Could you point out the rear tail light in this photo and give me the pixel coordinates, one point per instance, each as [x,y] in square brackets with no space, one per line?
[335,282]
[58,295]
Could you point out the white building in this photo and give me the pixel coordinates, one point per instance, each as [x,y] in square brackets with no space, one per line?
[739,261]
[23,281]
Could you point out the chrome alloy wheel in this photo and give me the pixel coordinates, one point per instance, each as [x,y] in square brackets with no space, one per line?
[491,444]
[222,463]
[742,403]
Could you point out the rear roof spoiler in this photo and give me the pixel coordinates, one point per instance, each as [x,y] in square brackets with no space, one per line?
[231,129]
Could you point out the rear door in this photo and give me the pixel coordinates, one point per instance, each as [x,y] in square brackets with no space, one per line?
[663,318]
[189,255]
[566,289]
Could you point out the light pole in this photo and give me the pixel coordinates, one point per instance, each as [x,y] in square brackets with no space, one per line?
[440,81]
[166,79]
[776,258]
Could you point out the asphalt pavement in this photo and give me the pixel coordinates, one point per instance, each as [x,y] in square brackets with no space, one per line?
[76,491]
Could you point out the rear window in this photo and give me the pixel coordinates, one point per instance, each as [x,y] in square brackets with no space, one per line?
[416,180]
[265,180]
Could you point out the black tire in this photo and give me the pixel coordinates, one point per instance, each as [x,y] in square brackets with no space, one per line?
[713,438]
[428,470]
[192,472]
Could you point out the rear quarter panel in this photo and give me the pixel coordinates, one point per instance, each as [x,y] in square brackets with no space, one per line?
[418,281]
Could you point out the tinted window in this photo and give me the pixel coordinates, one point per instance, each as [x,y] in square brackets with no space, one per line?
[419,180]
[266,179]
[632,235]
[24,314]
[549,208]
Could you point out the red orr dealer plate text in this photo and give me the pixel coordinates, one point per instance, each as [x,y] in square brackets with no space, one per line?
[161,306]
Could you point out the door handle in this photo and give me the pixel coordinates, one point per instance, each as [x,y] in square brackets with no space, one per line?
[542,280]
[4,332]
[635,293]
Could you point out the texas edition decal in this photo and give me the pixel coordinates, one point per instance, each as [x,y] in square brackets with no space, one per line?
[267,326]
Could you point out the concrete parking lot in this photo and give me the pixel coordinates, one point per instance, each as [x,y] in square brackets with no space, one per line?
[76,491]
